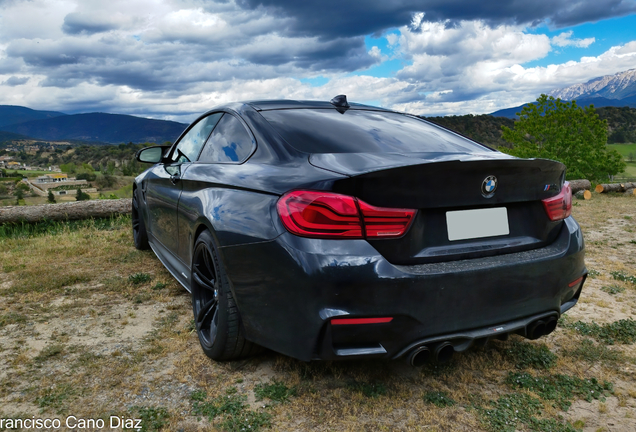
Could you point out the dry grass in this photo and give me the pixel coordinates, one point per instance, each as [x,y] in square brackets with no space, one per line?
[80,336]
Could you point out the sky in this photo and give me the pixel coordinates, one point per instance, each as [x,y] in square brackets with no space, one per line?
[175,59]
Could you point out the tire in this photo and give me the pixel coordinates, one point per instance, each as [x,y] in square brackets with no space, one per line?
[216,316]
[140,235]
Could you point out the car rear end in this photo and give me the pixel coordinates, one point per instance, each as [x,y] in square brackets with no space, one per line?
[428,245]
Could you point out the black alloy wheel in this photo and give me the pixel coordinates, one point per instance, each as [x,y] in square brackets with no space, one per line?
[140,236]
[216,316]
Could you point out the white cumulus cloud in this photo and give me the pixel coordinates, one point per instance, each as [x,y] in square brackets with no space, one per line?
[565,39]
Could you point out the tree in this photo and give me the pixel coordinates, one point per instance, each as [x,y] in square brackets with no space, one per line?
[51,198]
[19,195]
[110,169]
[69,168]
[563,131]
[82,196]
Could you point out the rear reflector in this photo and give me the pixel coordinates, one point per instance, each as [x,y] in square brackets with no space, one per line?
[329,215]
[559,207]
[347,321]
[575,282]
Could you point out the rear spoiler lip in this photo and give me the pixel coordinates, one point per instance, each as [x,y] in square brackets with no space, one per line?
[355,164]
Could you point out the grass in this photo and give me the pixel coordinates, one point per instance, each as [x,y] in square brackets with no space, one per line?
[139,278]
[592,352]
[276,391]
[230,411]
[368,389]
[561,389]
[527,355]
[439,399]
[613,289]
[622,276]
[622,331]
[92,327]
[52,228]
[152,418]
[29,173]
[624,149]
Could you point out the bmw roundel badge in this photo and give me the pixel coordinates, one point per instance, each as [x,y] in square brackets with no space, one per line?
[489,186]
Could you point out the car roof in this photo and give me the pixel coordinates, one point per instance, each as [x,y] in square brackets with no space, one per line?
[266,105]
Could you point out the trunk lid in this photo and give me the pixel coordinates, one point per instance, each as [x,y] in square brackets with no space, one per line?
[439,186]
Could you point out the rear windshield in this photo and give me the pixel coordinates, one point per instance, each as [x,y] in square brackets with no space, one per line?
[360,131]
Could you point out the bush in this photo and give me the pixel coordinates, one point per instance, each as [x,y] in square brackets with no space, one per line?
[82,196]
[86,176]
[105,181]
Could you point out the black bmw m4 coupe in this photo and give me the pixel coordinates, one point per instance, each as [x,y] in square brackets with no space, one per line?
[329,230]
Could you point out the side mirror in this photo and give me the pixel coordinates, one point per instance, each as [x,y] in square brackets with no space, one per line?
[152,154]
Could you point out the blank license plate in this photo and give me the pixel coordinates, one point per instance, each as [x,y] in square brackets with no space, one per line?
[469,224]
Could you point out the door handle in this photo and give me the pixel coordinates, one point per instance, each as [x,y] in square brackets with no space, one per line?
[174,179]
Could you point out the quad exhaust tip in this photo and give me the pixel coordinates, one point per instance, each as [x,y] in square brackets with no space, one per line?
[550,325]
[541,327]
[419,356]
[444,352]
[441,354]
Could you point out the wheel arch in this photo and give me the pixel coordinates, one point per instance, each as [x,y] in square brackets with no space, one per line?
[204,224]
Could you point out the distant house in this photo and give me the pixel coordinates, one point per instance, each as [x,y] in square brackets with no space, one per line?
[52,178]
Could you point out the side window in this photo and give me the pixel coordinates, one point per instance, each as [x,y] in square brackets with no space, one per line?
[190,145]
[229,142]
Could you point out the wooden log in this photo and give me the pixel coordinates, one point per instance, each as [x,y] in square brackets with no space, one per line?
[579,185]
[631,192]
[583,194]
[614,187]
[66,211]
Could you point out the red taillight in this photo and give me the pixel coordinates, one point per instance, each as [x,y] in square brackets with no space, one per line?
[330,215]
[385,222]
[560,206]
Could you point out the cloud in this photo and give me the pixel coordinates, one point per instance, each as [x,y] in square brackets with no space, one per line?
[96,22]
[470,58]
[176,58]
[565,39]
[335,18]
[15,81]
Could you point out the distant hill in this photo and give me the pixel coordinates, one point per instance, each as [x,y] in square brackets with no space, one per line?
[621,124]
[483,128]
[10,136]
[106,128]
[12,114]
[510,113]
[598,102]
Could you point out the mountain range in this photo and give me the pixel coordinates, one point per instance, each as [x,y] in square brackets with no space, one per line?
[618,90]
[18,122]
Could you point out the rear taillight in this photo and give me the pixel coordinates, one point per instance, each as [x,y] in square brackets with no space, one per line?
[330,215]
[560,206]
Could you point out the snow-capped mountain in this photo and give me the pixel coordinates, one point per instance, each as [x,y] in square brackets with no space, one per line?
[619,86]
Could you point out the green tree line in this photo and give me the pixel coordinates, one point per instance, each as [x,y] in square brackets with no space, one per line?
[486,129]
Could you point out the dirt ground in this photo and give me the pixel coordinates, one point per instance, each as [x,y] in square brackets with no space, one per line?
[92,328]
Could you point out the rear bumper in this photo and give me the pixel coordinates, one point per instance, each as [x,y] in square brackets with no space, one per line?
[288,290]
